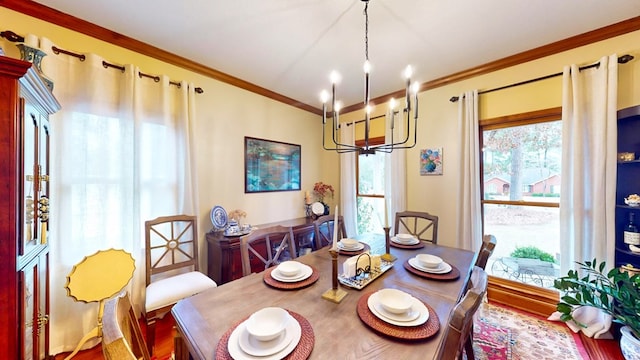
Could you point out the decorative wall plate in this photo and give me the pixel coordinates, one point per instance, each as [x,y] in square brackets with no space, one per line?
[219,217]
[317,208]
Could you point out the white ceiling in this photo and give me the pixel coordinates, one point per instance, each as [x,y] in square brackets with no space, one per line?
[291,46]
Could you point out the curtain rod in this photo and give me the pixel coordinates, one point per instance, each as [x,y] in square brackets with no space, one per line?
[13,37]
[363,120]
[621,60]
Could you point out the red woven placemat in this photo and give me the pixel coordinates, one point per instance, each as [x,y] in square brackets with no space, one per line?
[451,275]
[301,351]
[419,245]
[420,332]
[315,275]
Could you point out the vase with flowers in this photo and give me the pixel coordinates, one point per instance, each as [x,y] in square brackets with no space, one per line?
[322,190]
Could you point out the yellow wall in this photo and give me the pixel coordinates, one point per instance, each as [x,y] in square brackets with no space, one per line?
[225,115]
[438,123]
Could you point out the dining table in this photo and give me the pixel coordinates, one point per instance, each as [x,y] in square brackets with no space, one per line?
[206,323]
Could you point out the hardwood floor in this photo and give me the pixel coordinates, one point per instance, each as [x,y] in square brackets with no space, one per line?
[162,351]
[597,349]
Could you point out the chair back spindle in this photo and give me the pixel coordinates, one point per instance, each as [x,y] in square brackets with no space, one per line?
[271,246]
[422,225]
[323,227]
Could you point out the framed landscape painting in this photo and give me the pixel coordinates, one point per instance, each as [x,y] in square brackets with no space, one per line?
[431,161]
[270,166]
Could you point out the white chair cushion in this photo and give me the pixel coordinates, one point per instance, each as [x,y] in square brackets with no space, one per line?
[168,291]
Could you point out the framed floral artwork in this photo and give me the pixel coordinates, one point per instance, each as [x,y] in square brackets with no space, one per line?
[431,161]
[270,165]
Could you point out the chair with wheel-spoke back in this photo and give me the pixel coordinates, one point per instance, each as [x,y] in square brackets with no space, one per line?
[171,267]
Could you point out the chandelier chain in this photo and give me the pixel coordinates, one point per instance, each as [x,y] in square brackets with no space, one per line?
[366,31]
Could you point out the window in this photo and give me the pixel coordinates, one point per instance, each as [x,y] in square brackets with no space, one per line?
[370,191]
[521,157]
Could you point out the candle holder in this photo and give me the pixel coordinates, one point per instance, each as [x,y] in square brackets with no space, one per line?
[387,246]
[307,210]
[335,294]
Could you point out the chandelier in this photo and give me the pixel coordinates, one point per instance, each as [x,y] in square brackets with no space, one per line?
[367,148]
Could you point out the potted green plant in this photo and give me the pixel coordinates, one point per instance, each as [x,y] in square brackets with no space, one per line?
[616,292]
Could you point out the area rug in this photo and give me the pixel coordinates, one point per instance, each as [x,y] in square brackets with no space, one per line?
[505,333]
[491,341]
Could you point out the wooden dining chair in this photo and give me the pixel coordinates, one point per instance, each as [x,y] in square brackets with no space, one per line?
[121,335]
[267,247]
[171,267]
[323,227]
[422,225]
[458,336]
[488,245]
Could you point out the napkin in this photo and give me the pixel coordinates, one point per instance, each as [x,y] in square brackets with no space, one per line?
[349,266]
[596,323]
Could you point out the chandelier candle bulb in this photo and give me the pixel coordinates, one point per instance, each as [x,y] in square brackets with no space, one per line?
[334,79]
[392,109]
[416,88]
[407,73]
[324,97]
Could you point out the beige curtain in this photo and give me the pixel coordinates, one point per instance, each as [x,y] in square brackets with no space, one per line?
[348,180]
[122,154]
[589,149]
[395,177]
[469,230]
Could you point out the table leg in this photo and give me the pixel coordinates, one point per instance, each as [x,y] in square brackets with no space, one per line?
[180,350]
[93,333]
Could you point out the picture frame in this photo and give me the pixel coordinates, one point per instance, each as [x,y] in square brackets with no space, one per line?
[271,166]
[431,161]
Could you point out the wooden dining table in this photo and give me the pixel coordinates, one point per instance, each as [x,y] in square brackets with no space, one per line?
[338,332]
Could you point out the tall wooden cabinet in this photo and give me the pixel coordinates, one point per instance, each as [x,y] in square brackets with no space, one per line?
[25,105]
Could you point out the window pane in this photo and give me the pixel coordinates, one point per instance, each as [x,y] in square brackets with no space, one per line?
[524,231]
[371,174]
[370,213]
[523,162]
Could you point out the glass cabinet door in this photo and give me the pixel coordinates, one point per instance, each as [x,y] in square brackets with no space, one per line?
[29,186]
[43,180]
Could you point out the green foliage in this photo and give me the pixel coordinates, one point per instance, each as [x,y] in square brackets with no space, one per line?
[614,292]
[532,252]
[365,217]
[545,195]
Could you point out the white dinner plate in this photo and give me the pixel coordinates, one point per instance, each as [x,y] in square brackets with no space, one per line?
[417,306]
[255,347]
[409,316]
[305,272]
[356,247]
[442,269]
[413,241]
[293,332]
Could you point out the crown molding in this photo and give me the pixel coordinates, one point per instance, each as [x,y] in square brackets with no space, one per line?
[56,17]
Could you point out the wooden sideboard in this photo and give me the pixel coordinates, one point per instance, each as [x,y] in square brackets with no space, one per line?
[223,252]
